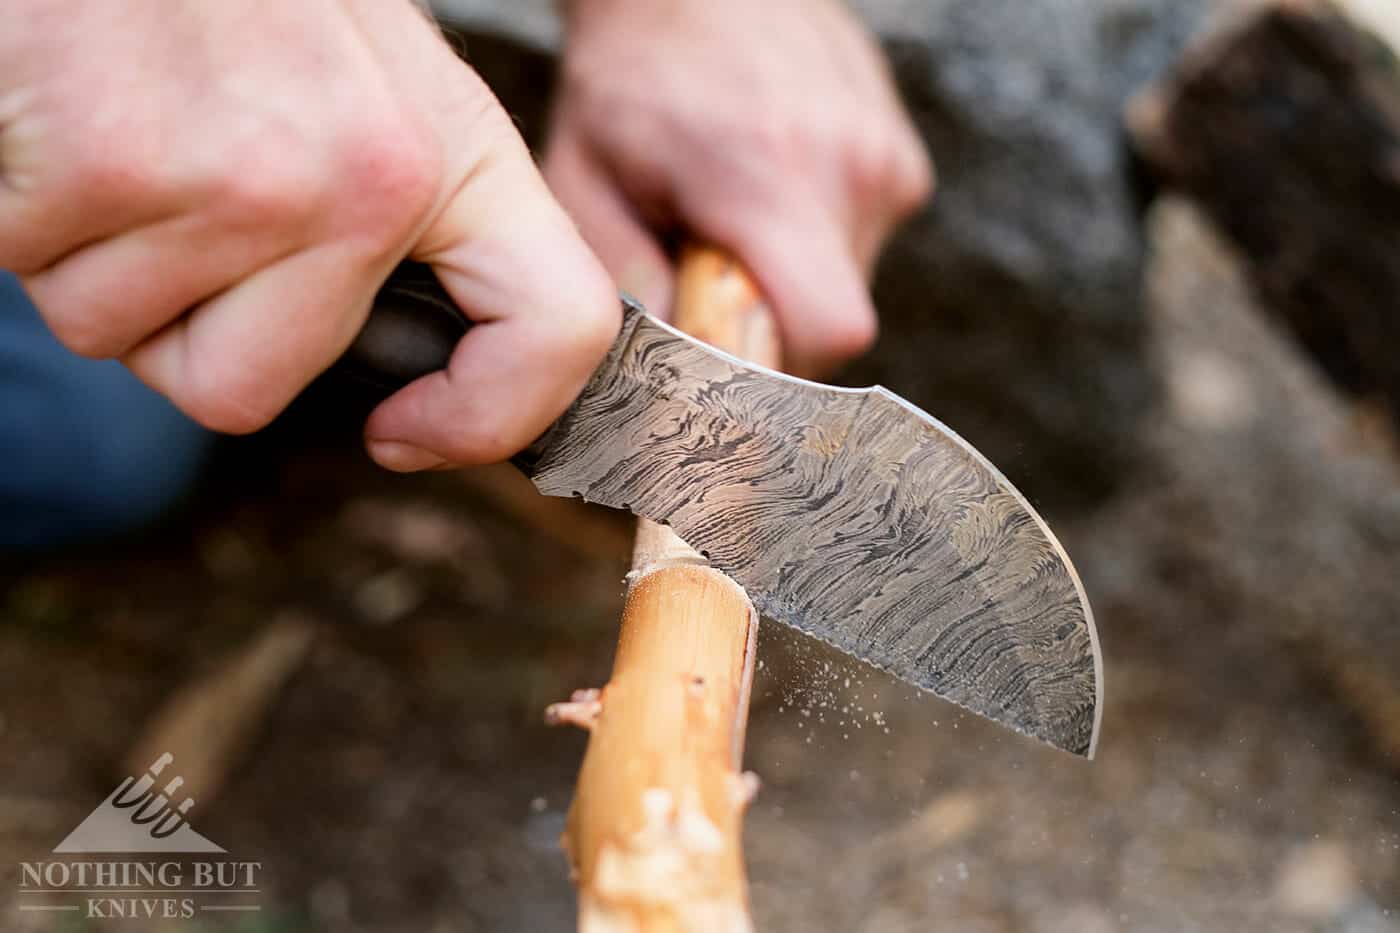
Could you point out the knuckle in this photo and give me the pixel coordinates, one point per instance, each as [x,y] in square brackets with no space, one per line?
[870,164]
[262,189]
[21,258]
[72,320]
[850,336]
[593,323]
[220,402]
[118,164]
[223,415]
[569,345]
[860,337]
[917,178]
[892,167]
[392,171]
[20,251]
[79,332]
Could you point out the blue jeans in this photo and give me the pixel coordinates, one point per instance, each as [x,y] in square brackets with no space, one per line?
[86,450]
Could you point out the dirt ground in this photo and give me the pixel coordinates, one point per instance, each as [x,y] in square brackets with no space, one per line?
[403,780]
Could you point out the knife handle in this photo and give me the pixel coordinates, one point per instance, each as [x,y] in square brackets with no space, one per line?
[412,329]
[414,325]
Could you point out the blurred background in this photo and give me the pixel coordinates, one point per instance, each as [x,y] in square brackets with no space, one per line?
[1159,285]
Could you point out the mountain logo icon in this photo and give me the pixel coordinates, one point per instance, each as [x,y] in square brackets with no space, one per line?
[138,817]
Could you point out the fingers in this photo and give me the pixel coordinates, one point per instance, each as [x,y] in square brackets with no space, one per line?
[237,360]
[52,206]
[107,297]
[609,222]
[806,264]
[545,310]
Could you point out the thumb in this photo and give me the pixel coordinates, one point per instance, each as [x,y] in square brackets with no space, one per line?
[608,221]
[544,309]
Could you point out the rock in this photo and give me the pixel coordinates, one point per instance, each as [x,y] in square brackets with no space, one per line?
[1014,300]
[1011,306]
[530,23]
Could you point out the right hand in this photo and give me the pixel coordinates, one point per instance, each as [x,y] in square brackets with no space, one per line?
[213,193]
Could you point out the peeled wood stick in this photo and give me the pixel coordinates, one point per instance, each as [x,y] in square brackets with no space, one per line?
[654,833]
[209,725]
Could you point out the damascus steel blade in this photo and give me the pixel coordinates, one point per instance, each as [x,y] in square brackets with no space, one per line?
[849,514]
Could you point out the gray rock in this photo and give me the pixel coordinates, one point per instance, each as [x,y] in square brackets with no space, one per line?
[1010,306]
[531,23]
[1013,303]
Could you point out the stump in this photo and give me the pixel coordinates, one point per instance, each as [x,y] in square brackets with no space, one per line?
[1285,128]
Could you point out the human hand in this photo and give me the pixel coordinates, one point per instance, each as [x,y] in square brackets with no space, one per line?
[771,129]
[214,192]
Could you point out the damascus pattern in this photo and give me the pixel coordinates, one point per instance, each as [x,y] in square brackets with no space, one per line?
[849,514]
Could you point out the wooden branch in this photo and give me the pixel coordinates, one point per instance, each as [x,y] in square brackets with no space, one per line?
[654,833]
[210,724]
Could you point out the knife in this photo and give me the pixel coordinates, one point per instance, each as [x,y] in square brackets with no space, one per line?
[849,514]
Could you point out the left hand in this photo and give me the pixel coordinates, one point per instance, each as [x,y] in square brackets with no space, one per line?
[771,129]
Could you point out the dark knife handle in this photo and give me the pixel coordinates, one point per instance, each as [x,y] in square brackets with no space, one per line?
[412,329]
